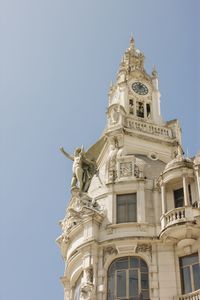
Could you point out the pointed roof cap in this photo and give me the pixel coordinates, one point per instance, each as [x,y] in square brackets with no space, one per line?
[133,58]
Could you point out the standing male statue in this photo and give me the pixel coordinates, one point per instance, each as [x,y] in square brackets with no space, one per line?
[83,169]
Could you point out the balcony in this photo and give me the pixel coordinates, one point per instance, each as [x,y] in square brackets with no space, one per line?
[191,296]
[173,222]
[162,131]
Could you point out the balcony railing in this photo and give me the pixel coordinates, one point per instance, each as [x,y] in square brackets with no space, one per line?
[179,215]
[149,128]
[191,296]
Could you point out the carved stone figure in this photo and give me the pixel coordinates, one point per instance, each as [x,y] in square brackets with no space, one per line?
[178,152]
[83,169]
[114,115]
[112,172]
[87,284]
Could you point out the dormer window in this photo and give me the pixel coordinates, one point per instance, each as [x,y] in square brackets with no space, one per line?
[140,109]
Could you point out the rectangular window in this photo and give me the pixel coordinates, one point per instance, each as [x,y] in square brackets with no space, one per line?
[178,198]
[190,273]
[126,208]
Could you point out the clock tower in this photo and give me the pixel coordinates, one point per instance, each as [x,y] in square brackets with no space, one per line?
[135,90]
[132,225]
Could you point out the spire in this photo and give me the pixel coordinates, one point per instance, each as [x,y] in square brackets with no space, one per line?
[133,59]
[132,42]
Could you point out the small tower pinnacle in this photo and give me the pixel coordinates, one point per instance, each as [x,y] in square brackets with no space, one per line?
[132,42]
[154,72]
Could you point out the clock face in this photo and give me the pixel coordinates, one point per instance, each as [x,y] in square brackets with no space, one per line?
[140,88]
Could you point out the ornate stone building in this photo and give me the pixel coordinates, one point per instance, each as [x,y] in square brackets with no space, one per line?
[132,226]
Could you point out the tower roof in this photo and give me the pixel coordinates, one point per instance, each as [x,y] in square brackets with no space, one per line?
[133,58]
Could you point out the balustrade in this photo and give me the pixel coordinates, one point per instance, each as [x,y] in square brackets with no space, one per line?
[191,296]
[149,128]
[179,215]
[174,216]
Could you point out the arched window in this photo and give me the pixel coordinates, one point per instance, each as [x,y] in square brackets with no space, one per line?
[128,279]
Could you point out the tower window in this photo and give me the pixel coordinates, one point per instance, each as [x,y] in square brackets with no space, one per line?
[131,107]
[140,109]
[190,194]
[126,208]
[178,198]
[148,108]
[128,279]
[190,273]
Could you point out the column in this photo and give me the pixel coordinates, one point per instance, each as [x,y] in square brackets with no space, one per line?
[196,168]
[101,287]
[185,191]
[163,198]
[141,203]
[145,109]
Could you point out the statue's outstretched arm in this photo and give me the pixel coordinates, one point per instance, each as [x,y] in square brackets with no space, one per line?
[66,154]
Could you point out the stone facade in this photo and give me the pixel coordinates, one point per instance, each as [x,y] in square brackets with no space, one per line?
[139,154]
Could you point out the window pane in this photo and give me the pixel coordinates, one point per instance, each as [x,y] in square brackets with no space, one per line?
[143,266]
[144,281]
[189,260]
[122,263]
[126,208]
[178,198]
[133,283]
[112,268]
[111,287]
[196,276]
[186,280]
[121,284]
[134,262]
[131,210]
[121,213]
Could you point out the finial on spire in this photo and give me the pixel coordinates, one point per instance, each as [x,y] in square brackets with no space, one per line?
[132,42]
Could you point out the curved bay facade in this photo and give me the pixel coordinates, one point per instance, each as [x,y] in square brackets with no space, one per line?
[134,232]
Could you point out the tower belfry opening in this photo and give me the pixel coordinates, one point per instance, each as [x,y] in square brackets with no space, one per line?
[132,225]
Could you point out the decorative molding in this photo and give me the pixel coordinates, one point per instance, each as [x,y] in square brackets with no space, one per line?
[80,208]
[146,249]
[108,251]
[122,249]
[126,169]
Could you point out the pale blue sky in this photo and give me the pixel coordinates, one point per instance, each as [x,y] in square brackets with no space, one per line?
[57,60]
